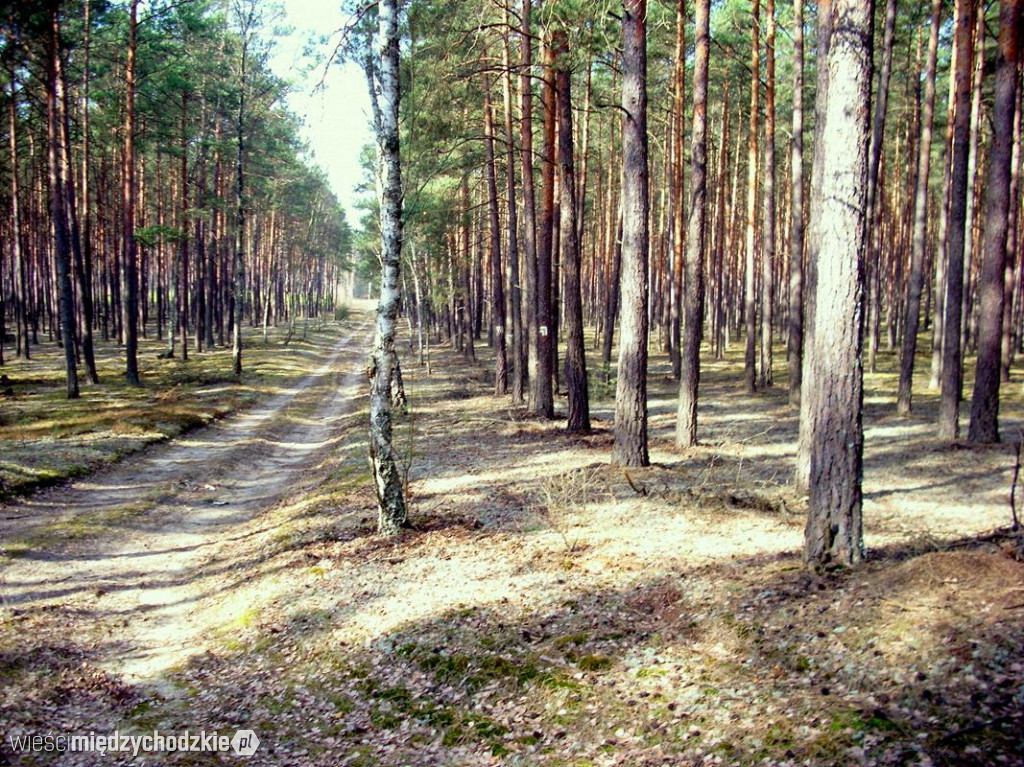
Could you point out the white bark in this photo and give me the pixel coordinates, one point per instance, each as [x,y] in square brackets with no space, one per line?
[387,478]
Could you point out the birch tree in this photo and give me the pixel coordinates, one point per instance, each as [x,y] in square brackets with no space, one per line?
[391,508]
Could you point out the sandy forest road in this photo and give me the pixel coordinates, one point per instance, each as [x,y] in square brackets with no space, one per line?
[167,521]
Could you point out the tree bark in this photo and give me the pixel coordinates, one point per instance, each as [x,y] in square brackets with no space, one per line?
[765,377]
[18,257]
[679,222]
[611,309]
[942,232]
[630,447]
[750,263]
[183,253]
[247,20]
[131,276]
[79,208]
[1013,265]
[952,369]
[468,348]
[795,339]
[973,195]
[58,212]
[575,358]
[915,283]
[497,274]
[984,424]
[515,287]
[540,401]
[877,136]
[808,389]
[696,240]
[833,536]
[1013,262]
[545,404]
[391,508]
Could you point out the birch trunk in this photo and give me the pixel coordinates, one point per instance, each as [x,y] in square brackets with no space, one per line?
[391,509]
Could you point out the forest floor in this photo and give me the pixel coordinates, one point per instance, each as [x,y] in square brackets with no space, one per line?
[546,608]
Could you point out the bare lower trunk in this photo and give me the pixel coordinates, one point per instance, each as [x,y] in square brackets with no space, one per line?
[696,240]
[58,213]
[915,282]
[131,296]
[611,307]
[630,447]
[1013,263]
[575,359]
[750,263]
[833,535]
[546,323]
[497,275]
[808,391]
[765,378]
[391,509]
[677,167]
[952,370]
[540,400]
[515,287]
[874,174]
[795,339]
[984,426]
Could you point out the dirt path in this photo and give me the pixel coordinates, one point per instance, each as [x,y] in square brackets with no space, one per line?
[168,518]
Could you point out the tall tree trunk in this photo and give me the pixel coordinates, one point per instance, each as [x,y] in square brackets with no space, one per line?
[497,274]
[131,275]
[808,390]
[541,401]
[833,536]
[984,425]
[58,211]
[575,357]
[183,313]
[765,378]
[611,309]
[942,232]
[247,19]
[696,241]
[972,185]
[678,164]
[468,348]
[391,508]
[719,315]
[915,283]
[874,208]
[952,369]
[515,286]
[750,263]
[795,338]
[81,218]
[630,447]
[544,395]
[1013,262]
[18,257]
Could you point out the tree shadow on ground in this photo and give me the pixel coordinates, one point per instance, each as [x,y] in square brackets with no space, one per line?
[911,657]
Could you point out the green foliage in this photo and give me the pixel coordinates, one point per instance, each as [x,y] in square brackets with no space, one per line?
[158,235]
